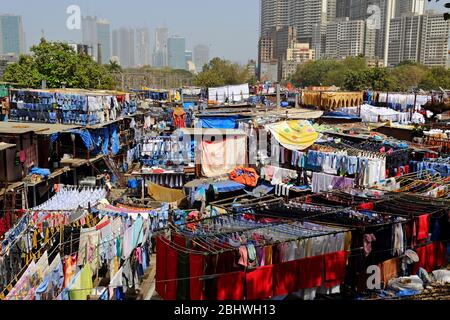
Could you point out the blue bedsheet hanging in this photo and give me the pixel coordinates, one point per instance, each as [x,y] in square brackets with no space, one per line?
[229,122]
[115,144]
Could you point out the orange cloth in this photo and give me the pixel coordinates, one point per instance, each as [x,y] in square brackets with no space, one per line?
[179,118]
[389,270]
[247,176]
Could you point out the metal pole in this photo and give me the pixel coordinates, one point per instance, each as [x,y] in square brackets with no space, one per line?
[278,96]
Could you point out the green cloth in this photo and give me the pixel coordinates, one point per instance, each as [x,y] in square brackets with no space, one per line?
[3,91]
[183,288]
[82,287]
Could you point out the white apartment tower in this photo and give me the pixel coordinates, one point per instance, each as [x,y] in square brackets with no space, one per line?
[435,41]
[419,38]
[143,55]
[409,7]
[349,38]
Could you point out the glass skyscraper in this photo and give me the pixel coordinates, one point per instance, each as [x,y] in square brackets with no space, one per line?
[97,34]
[177,52]
[11,35]
[104,39]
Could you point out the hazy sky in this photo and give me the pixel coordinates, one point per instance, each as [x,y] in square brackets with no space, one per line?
[230,27]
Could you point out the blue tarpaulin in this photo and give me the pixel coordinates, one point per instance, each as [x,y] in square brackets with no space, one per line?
[224,186]
[84,135]
[340,115]
[229,122]
[187,105]
[39,171]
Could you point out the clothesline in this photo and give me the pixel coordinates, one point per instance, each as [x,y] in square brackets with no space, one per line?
[96,247]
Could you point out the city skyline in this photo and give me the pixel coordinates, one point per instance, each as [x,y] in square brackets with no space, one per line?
[219,32]
[214,31]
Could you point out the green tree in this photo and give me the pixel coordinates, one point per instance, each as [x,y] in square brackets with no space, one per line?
[355,80]
[209,78]
[24,73]
[380,79]
[408,75]
[316,73]
[59,65]
[436,78]
[114,67]
[219,72]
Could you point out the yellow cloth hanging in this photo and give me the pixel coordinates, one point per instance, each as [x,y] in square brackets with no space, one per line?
[35,239]
[165,194]
[47,234]
[294,134]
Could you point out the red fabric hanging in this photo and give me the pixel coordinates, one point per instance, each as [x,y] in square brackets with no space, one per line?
[260,283]
[431,257]
[285,278]
[366,206]
[335,265]
[161,253]
[197,269]
[230,286]
[171,273]
[423,227]
[422,253]
[441,254]
[5,223]
[310,272]
[179,240]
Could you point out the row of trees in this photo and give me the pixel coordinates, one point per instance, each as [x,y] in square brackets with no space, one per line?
[354,74]
[220,72]
[59,65]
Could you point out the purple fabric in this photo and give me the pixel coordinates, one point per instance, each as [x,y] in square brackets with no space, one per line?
[260,254]
[342,183]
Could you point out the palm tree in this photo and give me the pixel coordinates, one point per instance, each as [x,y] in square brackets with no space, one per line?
[114,66]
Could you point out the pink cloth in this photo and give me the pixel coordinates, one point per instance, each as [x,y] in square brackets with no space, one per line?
[221,157]
[243,261]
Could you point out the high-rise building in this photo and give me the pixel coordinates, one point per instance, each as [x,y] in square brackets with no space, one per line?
[104,41]
[283,39]
[251,68]
[419,38]
[298,54]
[435,46]
[143,55]
[89,35]
[176,47]
[409,7]
[309,17]
[160,54]
[96,34]
[201,56]
[124,46]
[379,14]
[349,38]
[404,39]
[12,38]
[343,8]
[274,13]
[189,57]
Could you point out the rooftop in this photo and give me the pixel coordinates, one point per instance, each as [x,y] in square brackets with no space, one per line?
[38,128]
[4,146]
